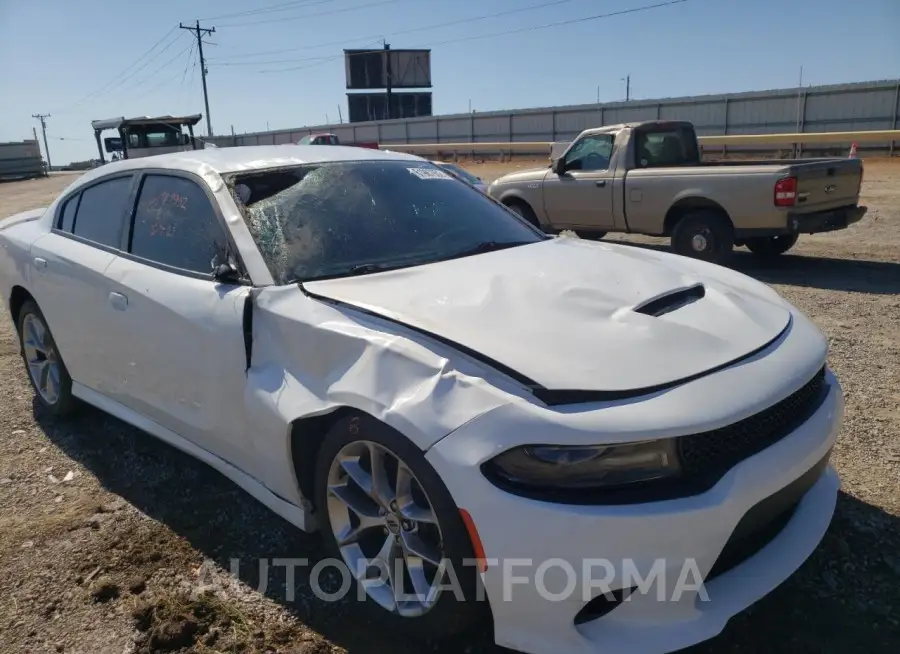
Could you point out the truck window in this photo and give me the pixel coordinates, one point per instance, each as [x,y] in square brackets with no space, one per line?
[666,147]
[590,153]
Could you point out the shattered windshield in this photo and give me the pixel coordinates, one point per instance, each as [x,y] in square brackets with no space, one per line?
[336,219]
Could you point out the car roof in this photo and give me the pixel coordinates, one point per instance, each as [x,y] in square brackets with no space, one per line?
[248,158]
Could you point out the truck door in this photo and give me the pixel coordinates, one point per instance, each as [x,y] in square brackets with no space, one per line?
[580,196]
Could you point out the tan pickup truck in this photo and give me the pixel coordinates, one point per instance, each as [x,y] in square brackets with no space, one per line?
[648,178]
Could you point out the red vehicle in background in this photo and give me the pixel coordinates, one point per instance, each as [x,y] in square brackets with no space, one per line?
[332,139]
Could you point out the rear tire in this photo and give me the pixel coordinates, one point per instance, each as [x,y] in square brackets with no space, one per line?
[704,235]
[46,370]
[359,443]
[771,246]
[521,209]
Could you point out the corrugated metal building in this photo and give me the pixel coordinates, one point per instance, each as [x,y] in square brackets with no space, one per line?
[843,107]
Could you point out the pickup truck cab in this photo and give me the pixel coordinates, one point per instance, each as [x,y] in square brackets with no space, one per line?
[648,178]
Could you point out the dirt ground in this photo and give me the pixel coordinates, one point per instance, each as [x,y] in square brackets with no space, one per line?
[107,534]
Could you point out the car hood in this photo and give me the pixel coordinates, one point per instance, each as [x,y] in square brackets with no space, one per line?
[528,175]
[566,313]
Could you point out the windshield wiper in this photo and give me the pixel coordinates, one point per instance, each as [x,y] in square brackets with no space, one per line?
[367,268]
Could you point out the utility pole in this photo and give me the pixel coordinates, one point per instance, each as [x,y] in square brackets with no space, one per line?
[390,75]
[198,33]
[627,81]
[41,118]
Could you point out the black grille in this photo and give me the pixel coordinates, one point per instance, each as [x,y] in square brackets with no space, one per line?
[711,454]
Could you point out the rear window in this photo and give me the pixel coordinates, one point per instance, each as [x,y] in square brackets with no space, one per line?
[334,219]
[101,211]
[661,147]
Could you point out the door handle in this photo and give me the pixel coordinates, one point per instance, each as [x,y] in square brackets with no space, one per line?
[40,262]
[118,301]
[600,182]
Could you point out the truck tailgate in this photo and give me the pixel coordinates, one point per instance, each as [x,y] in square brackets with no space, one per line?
[823,185]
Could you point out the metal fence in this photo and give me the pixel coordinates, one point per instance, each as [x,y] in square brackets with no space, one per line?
[834,108]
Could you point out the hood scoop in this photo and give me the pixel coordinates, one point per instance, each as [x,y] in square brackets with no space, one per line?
[671,301]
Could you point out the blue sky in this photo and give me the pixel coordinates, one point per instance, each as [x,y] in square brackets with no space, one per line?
[67,58]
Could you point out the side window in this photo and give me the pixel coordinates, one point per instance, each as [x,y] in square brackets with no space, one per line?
[590,153]
[102,210]
[67,215]
[175,225]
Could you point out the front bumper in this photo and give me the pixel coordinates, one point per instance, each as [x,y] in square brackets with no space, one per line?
[536,613]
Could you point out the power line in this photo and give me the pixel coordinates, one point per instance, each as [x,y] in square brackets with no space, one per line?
[116,79]
[305,16]
[520,30]
[162,66]
[425,28]
[282,6]
[187,64]
[190,86]
[199,32]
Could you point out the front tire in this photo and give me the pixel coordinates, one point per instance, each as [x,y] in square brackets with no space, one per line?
[704,235]
[46,370]
[385,513]
[771,246]
[521,209]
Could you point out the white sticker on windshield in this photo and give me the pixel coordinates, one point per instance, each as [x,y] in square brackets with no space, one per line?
[429,173]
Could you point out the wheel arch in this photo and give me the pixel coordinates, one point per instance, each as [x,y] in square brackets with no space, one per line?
[18,296]
[306,435]
[687,205]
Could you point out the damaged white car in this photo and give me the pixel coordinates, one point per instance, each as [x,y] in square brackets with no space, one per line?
[374,349]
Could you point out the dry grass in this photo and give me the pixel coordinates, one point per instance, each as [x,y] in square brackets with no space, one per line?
[109,561]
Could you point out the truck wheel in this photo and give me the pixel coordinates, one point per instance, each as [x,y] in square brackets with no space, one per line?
[522,209]
[771,246]
[705,235]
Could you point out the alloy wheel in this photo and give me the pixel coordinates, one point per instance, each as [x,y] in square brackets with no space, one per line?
[386,529]
[41,358]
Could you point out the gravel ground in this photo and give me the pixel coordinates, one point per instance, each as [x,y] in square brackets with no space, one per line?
[106,535]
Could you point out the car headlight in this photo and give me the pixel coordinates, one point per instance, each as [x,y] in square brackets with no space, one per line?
[598,466]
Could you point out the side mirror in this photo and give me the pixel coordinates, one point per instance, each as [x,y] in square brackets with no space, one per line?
[226,273]
[558,166]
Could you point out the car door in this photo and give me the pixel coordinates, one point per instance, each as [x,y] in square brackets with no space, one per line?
[181,330]
[581,196]
[70,285]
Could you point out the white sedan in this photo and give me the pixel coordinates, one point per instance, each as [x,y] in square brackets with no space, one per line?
[470,411]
